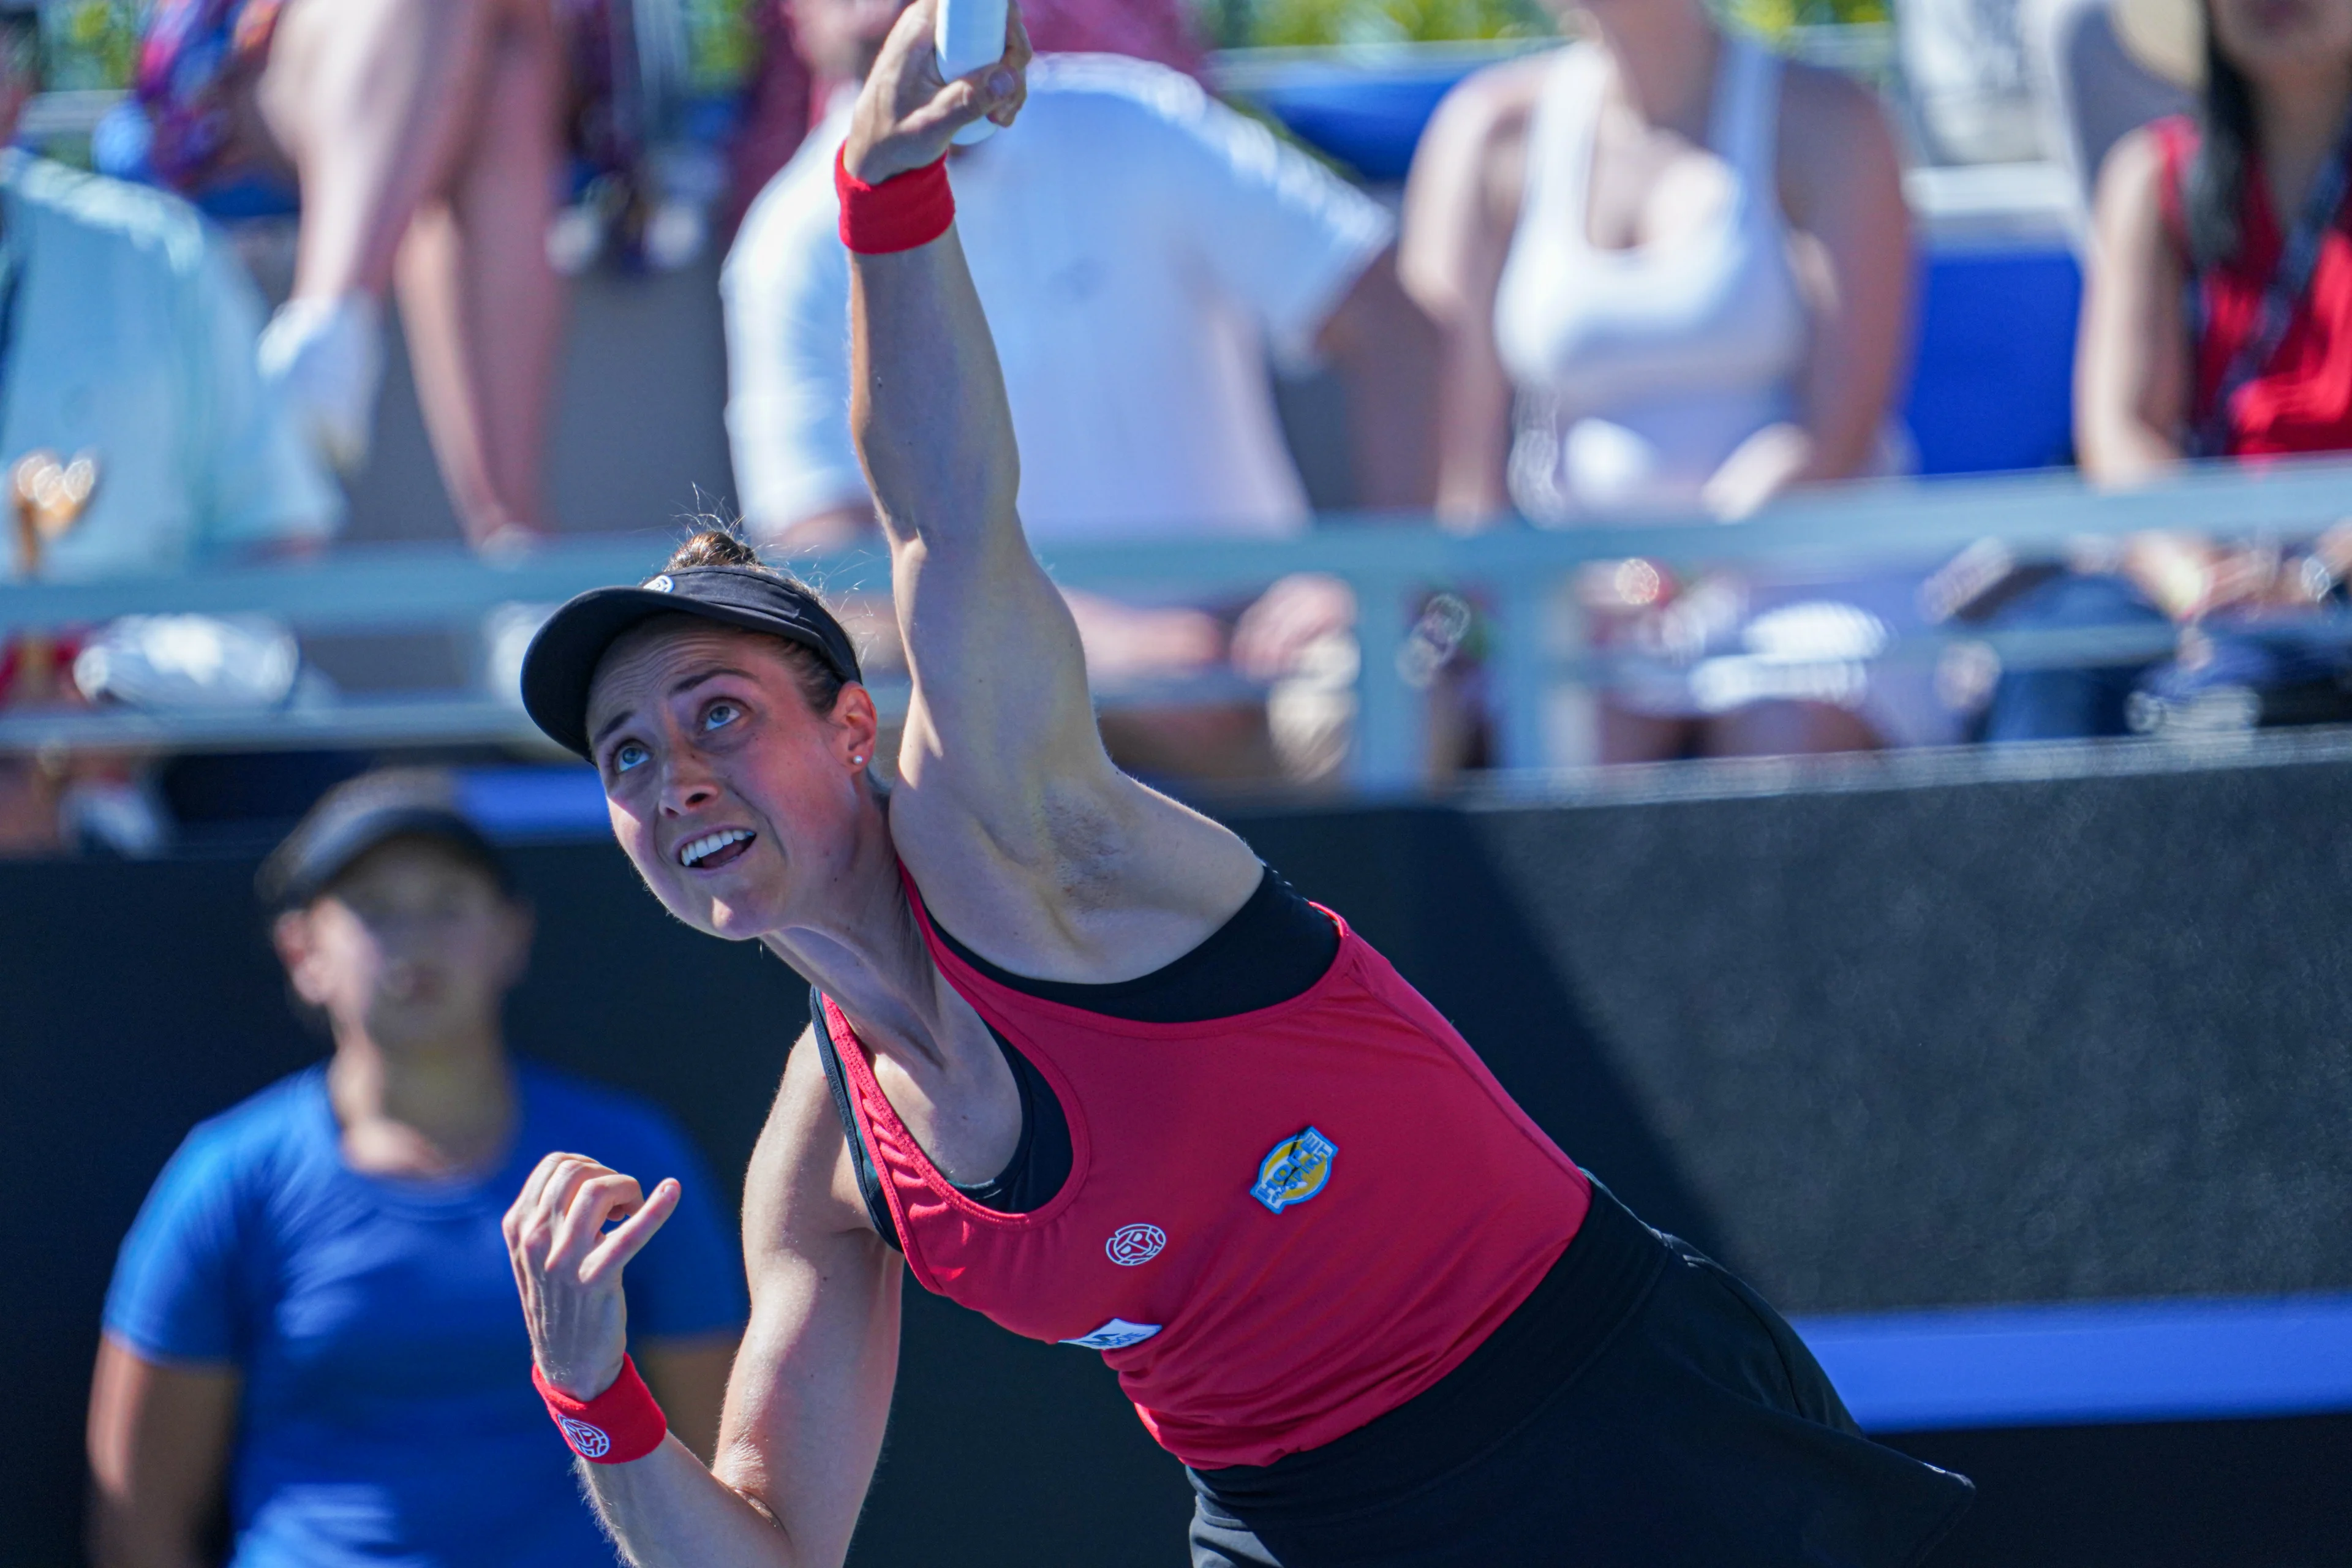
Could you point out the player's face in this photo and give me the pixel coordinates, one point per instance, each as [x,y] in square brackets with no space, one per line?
[737,800]
[414,944]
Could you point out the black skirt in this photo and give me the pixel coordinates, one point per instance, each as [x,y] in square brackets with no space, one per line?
[1642,1407]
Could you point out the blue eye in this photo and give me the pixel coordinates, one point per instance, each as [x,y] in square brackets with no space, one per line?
[720,714]
[627,755]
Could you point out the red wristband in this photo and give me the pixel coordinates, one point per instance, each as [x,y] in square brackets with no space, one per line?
[901,213]
[619,1425]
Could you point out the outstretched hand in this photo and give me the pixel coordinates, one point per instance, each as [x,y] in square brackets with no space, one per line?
[568,1267]
[907,113]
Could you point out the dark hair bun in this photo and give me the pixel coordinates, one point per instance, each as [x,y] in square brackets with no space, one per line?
[714,547]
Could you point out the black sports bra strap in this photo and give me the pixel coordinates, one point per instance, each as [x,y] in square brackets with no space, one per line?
[861,1159]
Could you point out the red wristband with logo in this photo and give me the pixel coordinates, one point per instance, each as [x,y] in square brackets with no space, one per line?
[901,213]
[619,1425]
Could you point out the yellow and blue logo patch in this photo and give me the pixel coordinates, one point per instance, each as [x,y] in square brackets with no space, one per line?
[1293,1169]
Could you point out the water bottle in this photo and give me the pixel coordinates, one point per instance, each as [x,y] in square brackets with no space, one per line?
[968,35]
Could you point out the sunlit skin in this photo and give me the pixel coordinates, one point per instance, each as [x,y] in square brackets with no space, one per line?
[700,728]
[697,729]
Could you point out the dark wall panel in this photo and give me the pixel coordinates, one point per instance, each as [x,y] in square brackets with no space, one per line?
[1981,1043]
[2161,1494]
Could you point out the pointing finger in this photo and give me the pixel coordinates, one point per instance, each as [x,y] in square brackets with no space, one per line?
[627,1239]
[599,1199]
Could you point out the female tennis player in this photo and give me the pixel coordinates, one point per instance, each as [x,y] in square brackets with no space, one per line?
[1099,1074]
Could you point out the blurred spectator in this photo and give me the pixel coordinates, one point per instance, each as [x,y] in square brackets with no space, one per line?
[1686,263]
[776,111]
[2219,318]
[2217,323]
[1964,66]
[2090,88]
[776,116]
[1142,251]
[136,432]
[128,327]
[312,1320]
[1160,31]
[424,136]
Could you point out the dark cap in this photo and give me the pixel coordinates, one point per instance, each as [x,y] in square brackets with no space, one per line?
[361,814]
[561,663]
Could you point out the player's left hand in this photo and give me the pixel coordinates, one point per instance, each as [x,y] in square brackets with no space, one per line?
[906,112]
[567,1266]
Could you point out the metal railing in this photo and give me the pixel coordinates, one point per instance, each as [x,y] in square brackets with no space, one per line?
[1513,571]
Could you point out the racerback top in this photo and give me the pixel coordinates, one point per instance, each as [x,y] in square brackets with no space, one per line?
[1276,1227]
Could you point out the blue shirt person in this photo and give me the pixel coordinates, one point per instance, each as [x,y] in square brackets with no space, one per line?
[312,1321]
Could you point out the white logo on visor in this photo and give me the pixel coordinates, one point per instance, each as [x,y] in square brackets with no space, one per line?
[662,585]
[1115,1335]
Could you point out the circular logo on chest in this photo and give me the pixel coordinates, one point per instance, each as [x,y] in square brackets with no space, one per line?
[1132,1243]
[588,1442]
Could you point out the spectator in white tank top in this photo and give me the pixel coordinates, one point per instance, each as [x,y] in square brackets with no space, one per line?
[1143,252]
[1674,276]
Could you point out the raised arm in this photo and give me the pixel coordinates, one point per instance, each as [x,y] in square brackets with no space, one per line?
[1024,837]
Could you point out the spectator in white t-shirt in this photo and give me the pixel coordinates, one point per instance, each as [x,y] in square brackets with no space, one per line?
[1143,252]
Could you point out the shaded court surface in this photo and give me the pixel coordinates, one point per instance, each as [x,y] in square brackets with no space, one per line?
[2066,1043]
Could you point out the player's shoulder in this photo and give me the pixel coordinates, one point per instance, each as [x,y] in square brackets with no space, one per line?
[105,212]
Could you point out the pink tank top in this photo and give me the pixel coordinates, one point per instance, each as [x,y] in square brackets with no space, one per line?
[1276,1227]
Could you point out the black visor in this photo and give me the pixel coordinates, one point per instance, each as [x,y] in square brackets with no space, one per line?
[561,662]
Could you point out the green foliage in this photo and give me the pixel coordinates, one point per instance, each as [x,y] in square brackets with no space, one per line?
[88,44]
[720,43]
[1233,23]
[1772,17]
[1295,23]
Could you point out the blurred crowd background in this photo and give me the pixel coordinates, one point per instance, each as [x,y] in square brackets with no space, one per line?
[287,281]
[306,304]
